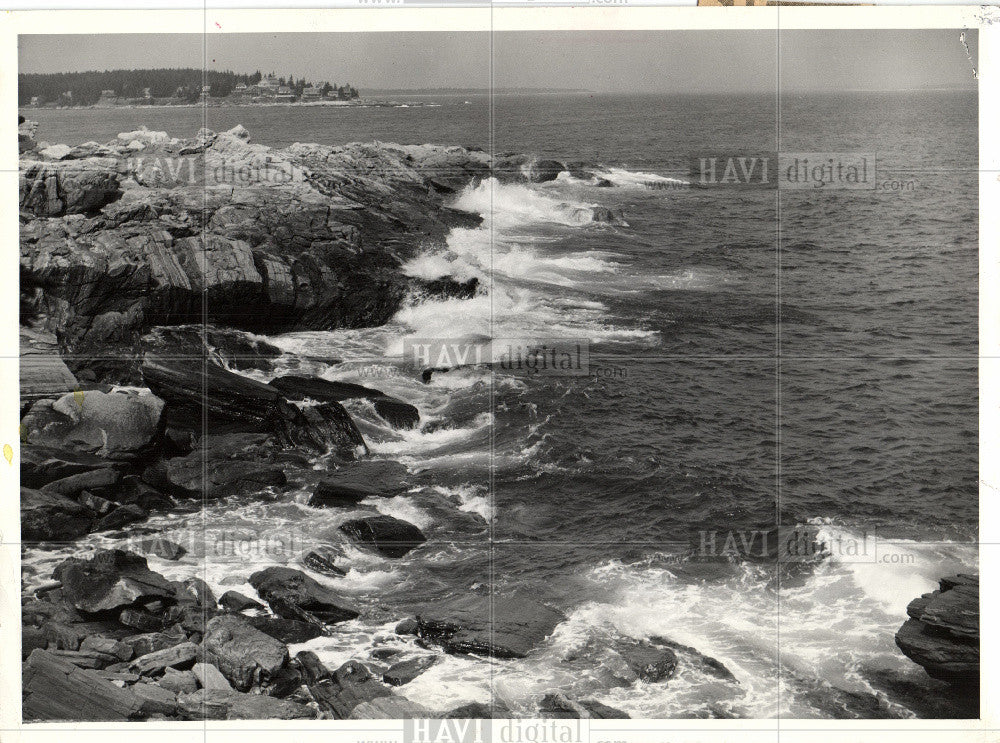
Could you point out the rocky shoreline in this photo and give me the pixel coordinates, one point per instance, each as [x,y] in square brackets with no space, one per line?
[146,265]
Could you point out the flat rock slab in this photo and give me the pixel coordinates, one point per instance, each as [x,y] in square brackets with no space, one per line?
[56,690]
[231,705]
[288,631]
[155,699]
[390,707]
[210,677]
[354,482]
[559,706]
[96,481]
[386,535]
[405,671]
[43,374]
[179,682]
[506,627]
[174,657]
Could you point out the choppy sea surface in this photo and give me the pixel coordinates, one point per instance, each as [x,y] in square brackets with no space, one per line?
[746,370]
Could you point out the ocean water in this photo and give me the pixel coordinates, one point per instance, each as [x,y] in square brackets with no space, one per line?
[758,357]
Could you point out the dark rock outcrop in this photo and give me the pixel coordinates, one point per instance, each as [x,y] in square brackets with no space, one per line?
[323,559]
[559,706]
[204,473]
[321,246]
[111,579]
[691,657]
[397,413]
[287,631]
[161,547]
[352,483]
[942,633]
[236,601]
[542,171]
[351,692]
[405,671]
[233,403]
[48,516]
[498,626]
[478,711]
[294,595]
[649,662]
[233,349]
[52,189]
[386,535]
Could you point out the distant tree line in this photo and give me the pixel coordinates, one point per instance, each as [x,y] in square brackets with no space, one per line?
[84,88]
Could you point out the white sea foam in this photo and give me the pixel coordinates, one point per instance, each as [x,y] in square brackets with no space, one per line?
[638,179]
[514,204]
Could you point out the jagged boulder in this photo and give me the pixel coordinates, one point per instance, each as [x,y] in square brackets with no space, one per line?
[233,349]
[245,655]
[41,465]
[236,601]
[111,579]
[942,633]
[649,662]
[405,671]
[323,559]
[352,693]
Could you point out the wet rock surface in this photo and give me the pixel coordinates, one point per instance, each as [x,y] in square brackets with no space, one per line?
[502,627]
[386,535]
[942,633]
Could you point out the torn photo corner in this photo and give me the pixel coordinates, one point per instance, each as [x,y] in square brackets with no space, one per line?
[499,375]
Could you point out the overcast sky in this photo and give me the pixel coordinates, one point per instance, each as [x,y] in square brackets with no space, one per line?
[630,61]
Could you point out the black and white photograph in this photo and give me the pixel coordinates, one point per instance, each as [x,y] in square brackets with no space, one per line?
[581,375]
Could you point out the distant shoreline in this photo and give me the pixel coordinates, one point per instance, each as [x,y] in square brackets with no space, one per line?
[223,104]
